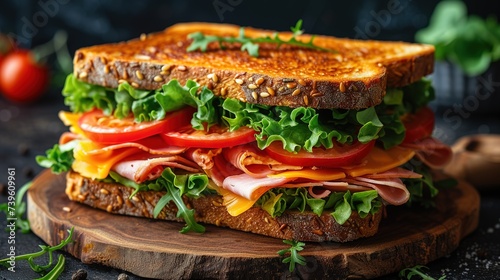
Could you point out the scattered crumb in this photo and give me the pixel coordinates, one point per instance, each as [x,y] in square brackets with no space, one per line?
[80,274]
[122,276]
[66,209]
[28,172]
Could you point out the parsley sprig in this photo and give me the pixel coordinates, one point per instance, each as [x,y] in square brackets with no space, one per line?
[47,271]
[251,45]
[293,254]
[417,270]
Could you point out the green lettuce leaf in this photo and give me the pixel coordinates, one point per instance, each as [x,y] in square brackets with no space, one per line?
[339,204]
[83,97]
[59,158]
[296,128]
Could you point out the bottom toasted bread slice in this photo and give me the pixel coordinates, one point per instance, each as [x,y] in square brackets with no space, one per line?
[291,225]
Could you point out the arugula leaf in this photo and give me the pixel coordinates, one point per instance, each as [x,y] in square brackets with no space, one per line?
[20,209]
[470,42]
[44,269]
[176,186]
[297,29]
[251,45]
[293,254]
[417,270]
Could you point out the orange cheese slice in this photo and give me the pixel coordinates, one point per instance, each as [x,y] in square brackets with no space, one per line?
[71,120]
[380,160]
[311,174]
[97,166]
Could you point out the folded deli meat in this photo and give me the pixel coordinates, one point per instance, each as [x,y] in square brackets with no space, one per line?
[308,141]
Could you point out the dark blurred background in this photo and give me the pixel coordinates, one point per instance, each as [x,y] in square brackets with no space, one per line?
[99,21]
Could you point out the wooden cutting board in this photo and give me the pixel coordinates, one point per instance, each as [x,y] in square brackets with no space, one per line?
[156,249]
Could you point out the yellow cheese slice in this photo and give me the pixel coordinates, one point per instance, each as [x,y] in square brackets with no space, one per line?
[235,204]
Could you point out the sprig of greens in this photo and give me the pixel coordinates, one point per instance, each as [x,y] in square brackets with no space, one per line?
[18,210]
[293,254]
[251,45]
[59,158]
[417,270]
[176,187]
[469,41]
[47,271]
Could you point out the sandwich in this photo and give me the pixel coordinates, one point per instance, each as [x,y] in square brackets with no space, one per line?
[283,134]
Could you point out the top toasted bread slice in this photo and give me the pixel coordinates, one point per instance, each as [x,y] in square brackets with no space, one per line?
[355,76]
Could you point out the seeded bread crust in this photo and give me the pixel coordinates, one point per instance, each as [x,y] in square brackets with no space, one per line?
[114,198]
[354,77]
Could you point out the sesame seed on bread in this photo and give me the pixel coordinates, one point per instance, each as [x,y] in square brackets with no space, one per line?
[354,77]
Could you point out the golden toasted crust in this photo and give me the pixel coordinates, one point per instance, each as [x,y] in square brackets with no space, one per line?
[115,198]
[353,78]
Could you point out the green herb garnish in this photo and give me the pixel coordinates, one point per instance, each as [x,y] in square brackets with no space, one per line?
[201,41]
[59,158]
[408,273]
[176,187]
[47,271]
[293,252]
[471,42]
[18,209]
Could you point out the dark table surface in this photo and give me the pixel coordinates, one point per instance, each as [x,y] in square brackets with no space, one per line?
[27,131]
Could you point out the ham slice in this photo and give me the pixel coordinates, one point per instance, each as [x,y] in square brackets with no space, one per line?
[68,137]
[397,172]
[141,168]
[251,187]
[221,170]
[153,145]
[254,161]
[393,191]
[203,157]
[432,152]
[319,192]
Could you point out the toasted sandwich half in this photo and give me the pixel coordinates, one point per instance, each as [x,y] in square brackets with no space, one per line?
[310,144]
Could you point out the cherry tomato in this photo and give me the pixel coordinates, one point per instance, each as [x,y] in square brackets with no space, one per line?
[22,80]
[101,128]
[419,125]
[217,137]
[339,156]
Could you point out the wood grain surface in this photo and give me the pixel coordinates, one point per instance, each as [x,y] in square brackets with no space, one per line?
[156,249]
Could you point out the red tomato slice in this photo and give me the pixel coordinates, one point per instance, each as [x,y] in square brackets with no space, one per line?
[419,125]
[340,155]
[217,137]
[101,128]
